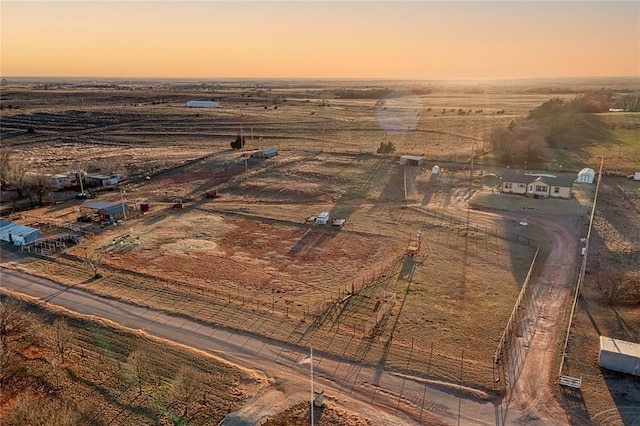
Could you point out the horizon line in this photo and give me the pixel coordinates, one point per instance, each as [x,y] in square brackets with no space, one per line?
[324,78]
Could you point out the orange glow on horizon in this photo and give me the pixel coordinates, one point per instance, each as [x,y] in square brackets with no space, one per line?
[415,40]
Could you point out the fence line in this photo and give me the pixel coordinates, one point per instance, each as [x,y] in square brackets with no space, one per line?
[507,335]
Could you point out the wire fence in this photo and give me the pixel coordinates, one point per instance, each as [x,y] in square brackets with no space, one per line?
[329,321]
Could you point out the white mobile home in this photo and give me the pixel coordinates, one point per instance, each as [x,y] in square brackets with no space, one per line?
[100,180]
[619,355]
[537,186]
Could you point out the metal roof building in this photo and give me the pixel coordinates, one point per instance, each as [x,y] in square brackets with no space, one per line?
[586,175]
[19,235]
[265,153]
[411,160]
[203,104]
[106,208]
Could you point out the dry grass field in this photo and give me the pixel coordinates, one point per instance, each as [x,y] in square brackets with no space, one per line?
[63,369]
[249,260]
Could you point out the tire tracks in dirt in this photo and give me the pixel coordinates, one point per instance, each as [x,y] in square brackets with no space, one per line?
[529,394]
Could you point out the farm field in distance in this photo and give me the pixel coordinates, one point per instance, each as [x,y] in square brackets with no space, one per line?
[251,260]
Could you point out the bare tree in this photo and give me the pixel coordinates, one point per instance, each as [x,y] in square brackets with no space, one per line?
[93,258]
[138,368]
[12,321]
[16,178]
[40,185]
[63,334]
[13,324]
[185,388]
[6,156]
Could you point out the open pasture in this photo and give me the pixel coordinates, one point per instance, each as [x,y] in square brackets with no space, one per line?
[250,260]
[252,252]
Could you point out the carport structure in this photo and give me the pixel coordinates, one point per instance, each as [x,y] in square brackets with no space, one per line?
[105,210]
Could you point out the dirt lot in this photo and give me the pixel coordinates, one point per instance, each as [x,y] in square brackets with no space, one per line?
[252,251]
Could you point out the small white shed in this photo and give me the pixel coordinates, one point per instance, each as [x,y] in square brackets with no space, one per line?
[322,218]
[435,170]
[619,355]
[586,175]
[636,176]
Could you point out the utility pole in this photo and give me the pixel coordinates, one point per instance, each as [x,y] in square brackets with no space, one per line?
[404,169]
[124,213]
[80,179]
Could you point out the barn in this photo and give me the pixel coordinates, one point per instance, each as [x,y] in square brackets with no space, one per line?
[619,355]
[18,235]
[203,104]
[586,175]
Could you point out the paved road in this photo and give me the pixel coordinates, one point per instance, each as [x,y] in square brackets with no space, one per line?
[382,396]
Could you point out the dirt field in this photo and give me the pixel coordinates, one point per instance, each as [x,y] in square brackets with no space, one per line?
[251,254]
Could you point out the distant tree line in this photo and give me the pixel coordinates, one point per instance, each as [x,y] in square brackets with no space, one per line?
[554,124]
[363,94]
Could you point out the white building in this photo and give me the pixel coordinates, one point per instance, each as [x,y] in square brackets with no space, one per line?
[619,355]
[100,180]
[586,175]
[203,104]
[322,218]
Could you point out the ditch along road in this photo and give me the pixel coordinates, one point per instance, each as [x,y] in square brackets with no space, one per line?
[383,397]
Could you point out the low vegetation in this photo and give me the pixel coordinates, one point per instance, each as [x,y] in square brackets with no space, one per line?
[68,370]
[555,125]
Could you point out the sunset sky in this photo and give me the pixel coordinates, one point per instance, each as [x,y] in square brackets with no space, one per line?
[320,39]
